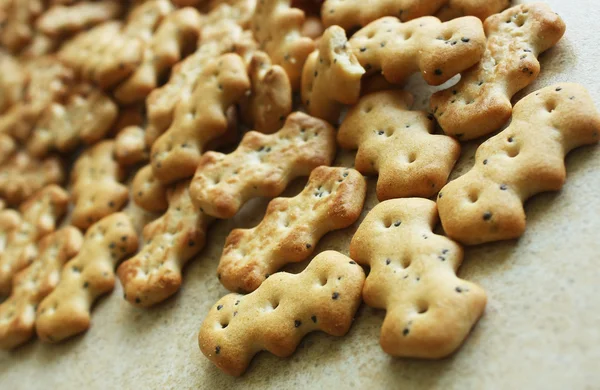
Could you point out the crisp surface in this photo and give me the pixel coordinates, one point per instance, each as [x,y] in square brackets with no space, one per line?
[539,330]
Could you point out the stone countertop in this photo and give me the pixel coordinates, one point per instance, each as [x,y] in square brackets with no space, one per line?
[541,327]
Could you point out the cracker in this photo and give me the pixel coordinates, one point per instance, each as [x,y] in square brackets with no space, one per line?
[130,146]
[96,188]
[103,55]
[177,33]
[39,216]
[23,175]
[33,284]
[87,115]
[331,76]
[199,118]
[480,103]
[277,28]
[89,275]
[352,14]
[430,311]
[217,39]
[270,99]
[12,81]
[262,165]
[438,50]
[48,80]
[282,311]
[399,145]
[147,191]
[18,29]
[486,203]
[332,199]
[154,274]
[60,20]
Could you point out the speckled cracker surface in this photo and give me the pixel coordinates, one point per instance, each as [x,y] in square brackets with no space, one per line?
[486,203]
[332,199]
[430,311]
[282,311]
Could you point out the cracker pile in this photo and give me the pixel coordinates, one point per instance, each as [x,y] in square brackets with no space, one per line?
[192,108]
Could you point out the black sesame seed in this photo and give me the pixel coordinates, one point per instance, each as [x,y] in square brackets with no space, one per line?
[397,223]
[558,89]
[308,246]
[237,302]
[487,216]
[352,262]
[485,162]
[111,204]
[112,245]
[219,307]
[458,290]
[138,300]
[297,323]
[123,238]
[191,243]
[405,332]
[314,319]
[235,313]
[217,349]
[387,261]
[430,117]
[335,295]
[86,285]
[503,187]
[438,72]
[465,39]
[362,49]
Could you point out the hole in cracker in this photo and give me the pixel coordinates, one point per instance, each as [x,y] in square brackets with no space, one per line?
[368,109]
[513,152]
[422,307]
[224,324]
[473,196]
[412,157]
[550,105]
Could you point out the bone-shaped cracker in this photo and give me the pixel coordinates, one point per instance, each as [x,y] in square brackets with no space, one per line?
[63,19]
[270,99]
[277,29]
[199,118]
[154,274]
[66,311]
[282,311]
[486,204]
[111,52]
[430,311]
[351,14]
[398,144]
[39,216]
[103,55]
[262,165]
[87,116]
[22,175]
[96,188]
[480,103]
[177,32]
[331,76]
[33,284]
[438,50]
[47,81]
[18,28]
[130,146]
[332,199]
[12,81]
[147,191]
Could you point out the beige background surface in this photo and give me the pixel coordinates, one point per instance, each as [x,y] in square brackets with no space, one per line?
[541,328]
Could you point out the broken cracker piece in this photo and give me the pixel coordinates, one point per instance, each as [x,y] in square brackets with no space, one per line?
[430,311]
[480,103]
[438,50]
[262,165]
[486,203]
[399,145]
[89,275]
[332,199]
[154,274]
[33,284]
[96,188]
[331,76]
[282,311]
